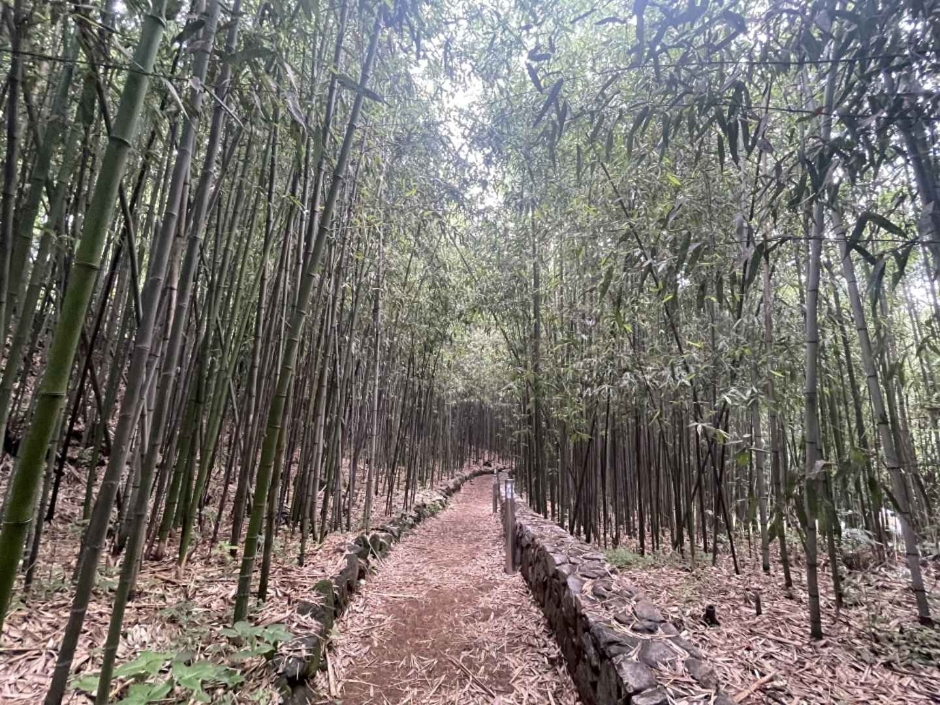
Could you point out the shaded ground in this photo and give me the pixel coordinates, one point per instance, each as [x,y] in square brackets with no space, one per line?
[873,650]
[178,613]
[442,623]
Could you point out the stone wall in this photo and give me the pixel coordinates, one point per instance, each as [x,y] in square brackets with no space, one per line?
[618,646]
[298,661]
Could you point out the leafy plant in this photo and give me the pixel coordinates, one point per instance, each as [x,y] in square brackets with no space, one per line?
[223,550]
[200,674]
[147,664]
[256,640]
[142,693]
[178,612]
[193,679]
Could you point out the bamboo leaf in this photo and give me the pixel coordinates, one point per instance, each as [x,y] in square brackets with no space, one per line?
[245,55]
[189,30]
[534,77]
[754,264]
[637,123]
[885,224]
[353,85]
[683,250]
[174,95]
[595,131]
[293,107]
[549,101]
[608,276]
[901,258]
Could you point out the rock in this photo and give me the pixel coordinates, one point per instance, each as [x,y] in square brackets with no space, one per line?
[390,529]
[601,590]
[611,641]
[608,684]
[584,680]
[360,547]
[645,610]
[303,661]
[624,588]
[702,672]
[722,699]
[305,608]
[655,653]
[688,647]
[324,610]
[656,696]
[624,618]
[379,543]
[634,676]
[590,653]
[644,626]
[302,694]
[669,629]
[575,584]
[345,582]
[592,570]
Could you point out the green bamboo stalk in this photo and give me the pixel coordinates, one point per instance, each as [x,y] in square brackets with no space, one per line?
[51,136]
[179,470]
[275,414]
[8,201]
[135,392]
[888,445]
[223,371]
[253,386]
[54,385]
[374,376]
[37,276]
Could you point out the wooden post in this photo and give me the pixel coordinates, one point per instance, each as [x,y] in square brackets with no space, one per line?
[510,525]
[495,490]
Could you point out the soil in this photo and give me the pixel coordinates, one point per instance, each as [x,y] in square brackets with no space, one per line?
[442,622]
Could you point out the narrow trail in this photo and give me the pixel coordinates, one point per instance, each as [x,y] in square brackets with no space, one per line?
[442,623]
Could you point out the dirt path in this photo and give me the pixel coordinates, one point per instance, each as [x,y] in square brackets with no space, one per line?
[442,623]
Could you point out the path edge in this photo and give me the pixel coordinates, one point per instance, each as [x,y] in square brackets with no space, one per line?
[298,660]
[614,641]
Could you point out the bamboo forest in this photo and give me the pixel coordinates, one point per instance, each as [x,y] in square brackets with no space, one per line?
[470,351]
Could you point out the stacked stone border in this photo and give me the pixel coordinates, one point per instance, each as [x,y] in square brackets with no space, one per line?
[614,641]
[298,661]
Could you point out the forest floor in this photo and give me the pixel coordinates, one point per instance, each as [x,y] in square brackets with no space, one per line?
[442,623]
[179,615]
[873,651]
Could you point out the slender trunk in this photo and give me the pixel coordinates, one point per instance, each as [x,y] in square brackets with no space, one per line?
[8,201]
[884,431]
[298,317]
[53,386]
[134,395]
[374,376]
